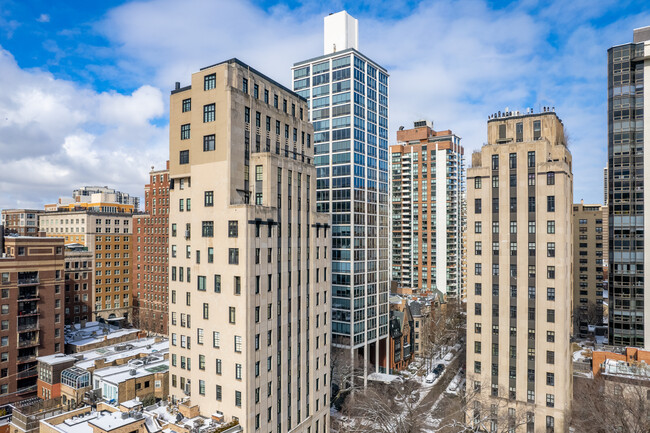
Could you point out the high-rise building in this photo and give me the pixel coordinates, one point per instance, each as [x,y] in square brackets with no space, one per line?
[98,199]
[109,236]
[589,264]
[348,97]
[520,190]
[428,173]
[22,222]
[629,311]
[150,264]
[31,282]
[249,265]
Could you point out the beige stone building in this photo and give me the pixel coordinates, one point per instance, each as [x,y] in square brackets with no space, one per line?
[589,264]
[520,274]
[249,254]
[109,236]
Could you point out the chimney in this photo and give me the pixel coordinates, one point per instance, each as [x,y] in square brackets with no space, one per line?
[177,86]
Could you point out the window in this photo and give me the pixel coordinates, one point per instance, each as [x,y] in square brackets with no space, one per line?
[477,183]
[258,173]
[550,178]
[208,113]
[237,398]
[550,400]
[231,315]
[550,249]
[477,366]
[550,355]
[550,379]
[477,248]
[207,229]
[477,205]
[531,155]
[537,130]
[208,143]
[550,315]
[184,157]
[216,343]
[233,229]
[477,309]
[550,203]
[201,283]
[495,181]
[217,284]
[512,160]
[478,227]
[550,227]
[208,198]
[256,91]
[495,162]
[209,81]
[477,269]
[550,272]
[237,286]
[185,131]
[244,85]
[238,343]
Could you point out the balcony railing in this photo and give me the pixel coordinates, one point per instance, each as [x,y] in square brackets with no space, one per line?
[28,281]
[28,297]
[28,373]
[32,312]
[28,327]
[26,358]
[27,343]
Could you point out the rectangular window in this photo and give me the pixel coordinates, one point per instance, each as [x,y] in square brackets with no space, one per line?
[519,132]
[184,157]
[550,293]
[208,198]
[531,156]
[238,343]
[231,315]
[208,113]
[185,131]
[209,81]
[201,283]
[258,173]
[477,205]
[187,105]
[208,143]
[244,85]
[477,183]
[550,315]
[550,203]
[233,256]
[550,249]
[207,229]
[537,130]
[216,340]
[233,229]
[217,284]
[550,227]
[512,160]
[550,178]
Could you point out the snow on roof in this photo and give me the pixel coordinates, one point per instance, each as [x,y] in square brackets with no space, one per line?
[109,354]
[121,373]
[115,420]
[57,358]
[383,377]
[94,332]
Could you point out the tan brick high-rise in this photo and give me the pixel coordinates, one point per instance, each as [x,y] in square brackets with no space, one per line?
[589,265]
[519,194]
[249,254]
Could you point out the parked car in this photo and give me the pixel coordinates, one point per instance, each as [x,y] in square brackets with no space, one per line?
[430,378]
[439,369]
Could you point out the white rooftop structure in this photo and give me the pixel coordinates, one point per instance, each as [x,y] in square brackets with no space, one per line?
[94,332]
[341,32]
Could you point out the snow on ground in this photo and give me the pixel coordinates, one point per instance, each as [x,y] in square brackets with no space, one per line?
[456,384]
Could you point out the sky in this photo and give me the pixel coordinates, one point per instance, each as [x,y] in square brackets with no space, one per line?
[84,86]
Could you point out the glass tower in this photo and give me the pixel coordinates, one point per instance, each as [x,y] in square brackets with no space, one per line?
[348,101]
[628,312]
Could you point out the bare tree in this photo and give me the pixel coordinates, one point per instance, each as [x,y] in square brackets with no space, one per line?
[384,408]
[444,327]
[603,406]
[346,373]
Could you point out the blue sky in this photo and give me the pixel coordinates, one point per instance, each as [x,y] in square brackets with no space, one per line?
[85,86]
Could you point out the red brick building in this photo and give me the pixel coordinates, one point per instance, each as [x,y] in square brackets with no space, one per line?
[151,234]
[31,310]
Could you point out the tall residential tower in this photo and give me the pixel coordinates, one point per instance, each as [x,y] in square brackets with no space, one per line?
[428,172]
[629,311]
[519,195]
[249,265]
[348,100]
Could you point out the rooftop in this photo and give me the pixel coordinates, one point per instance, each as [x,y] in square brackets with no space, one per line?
[132,370]
[93,332]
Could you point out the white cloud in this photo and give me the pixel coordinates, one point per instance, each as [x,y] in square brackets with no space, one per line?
[56,135]
[43,18]
[453,62]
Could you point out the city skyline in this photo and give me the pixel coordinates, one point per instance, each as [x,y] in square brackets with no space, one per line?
[85,87]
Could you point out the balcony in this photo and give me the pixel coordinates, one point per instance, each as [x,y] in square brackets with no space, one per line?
[27,373]
[26,390]
[28,281]
[28,327]
[26,297]
[26,358]
[28,343]
[28,312]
